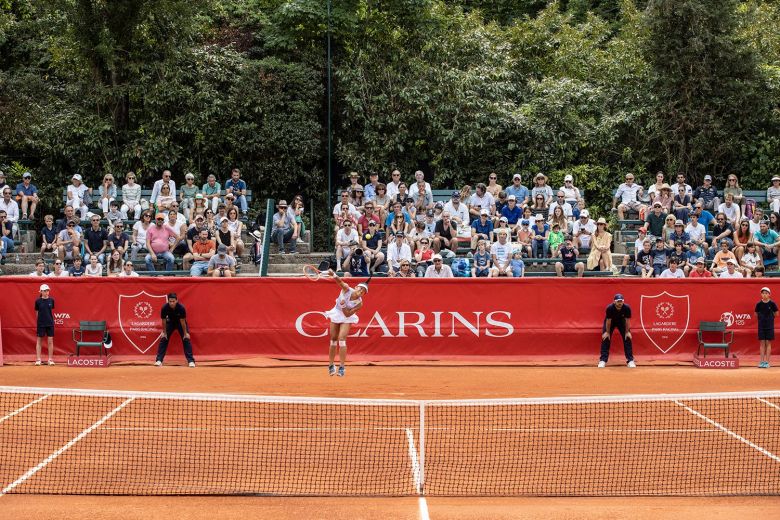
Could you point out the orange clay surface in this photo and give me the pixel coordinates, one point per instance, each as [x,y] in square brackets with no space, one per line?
[403,382]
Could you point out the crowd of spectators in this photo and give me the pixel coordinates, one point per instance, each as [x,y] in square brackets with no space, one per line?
[102,233]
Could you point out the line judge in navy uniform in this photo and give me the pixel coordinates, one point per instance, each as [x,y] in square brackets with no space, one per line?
[618,316]
[174,318]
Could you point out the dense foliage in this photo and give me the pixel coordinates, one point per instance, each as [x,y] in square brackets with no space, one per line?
[455,88]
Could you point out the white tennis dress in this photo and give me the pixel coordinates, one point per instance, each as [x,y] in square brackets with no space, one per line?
[336,314]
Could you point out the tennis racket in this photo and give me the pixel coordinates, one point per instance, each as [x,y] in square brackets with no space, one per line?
[313,273]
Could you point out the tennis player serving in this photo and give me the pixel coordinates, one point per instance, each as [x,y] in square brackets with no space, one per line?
[341,317]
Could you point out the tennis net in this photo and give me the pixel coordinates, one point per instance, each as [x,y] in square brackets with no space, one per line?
[55,441]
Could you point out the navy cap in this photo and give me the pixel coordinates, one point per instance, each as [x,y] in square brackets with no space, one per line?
[618,297]
[455,194]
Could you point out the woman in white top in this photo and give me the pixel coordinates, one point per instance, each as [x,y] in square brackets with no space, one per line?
[115,264]
[76,195]
[772,194]
[341,317]
[58,270]
[139,234]
[493,188]
[131,197]
[236,227]
[107,191]
[93,268]
[655,189]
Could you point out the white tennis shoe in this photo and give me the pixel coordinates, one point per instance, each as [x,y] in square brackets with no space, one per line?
[631,364]
[602,364]
[158,363]
[191,364]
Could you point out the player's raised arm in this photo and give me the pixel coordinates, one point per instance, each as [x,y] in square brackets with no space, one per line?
[338,280]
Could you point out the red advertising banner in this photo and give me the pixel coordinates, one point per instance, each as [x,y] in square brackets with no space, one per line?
[535,320]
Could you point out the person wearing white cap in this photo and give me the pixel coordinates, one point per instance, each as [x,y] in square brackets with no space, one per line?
[187,195]
[773,193]
[517,189]
[27,194]
[731,270]
[766,312]
[78,194]
[342,316]
[44,308]
[438,269]
[582,230]
[707,194]
[571,193]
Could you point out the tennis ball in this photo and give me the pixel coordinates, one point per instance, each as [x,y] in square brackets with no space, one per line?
[368,236]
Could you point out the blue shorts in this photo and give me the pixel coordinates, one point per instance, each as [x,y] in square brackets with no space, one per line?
[43,332]
[766,334]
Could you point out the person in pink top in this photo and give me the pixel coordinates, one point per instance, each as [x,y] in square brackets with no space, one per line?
[158,243]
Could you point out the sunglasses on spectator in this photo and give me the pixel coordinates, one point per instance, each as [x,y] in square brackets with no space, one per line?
[129,264]
[71,224]
[493,178]
[57,263]
[396,175]
[437,260]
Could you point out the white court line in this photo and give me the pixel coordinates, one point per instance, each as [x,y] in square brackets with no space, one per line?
[773,405]
[421,502]
[726,430]
[23,408]
[32,471]
[314,429]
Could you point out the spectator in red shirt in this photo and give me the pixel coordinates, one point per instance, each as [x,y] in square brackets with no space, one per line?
[700,271]
[371,215]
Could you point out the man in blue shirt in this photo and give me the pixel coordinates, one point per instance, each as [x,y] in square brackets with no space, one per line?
[481,228]
[237,186]
[704,216]
[27,195]
[512,211]
[767,242]
[520,192]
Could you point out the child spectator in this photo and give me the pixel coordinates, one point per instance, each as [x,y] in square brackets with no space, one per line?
[524,237]
[644,260]
[722,257]
[77,269]
[660,257]
[516,265]
[569,263]
[750,260]
[48,235]
[482,264]
[481,228]
[113,213]
[700,270]
[556,238]
[94,268]
[692,257]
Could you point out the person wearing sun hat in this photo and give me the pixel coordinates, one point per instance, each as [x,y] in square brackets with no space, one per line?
[617,316]
[44,308]
[766,312]
[773,193]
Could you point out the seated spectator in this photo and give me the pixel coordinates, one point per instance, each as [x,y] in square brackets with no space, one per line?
[707,194]
[403,193]
[540,239]
[692,256]
[627,195]
[93,268]
[158,243]
[77,269]
[237,228]
[371,242]
[347,240]
[27,196]
[79,196]
[481,228]
[139,234]
[40,268]
[524,239]
[357,199]
[755,222]
[493,187]
[69,216]
[128,270]
[115,264]
[382,200]
[644,260]
[539,207]
[501,202]
[438,269]
[512,211]
[6,233]
[672,271]
[732,188]
[423,200]
[165,198]
[107,192]
[503,227]
[774,221]
[410,211]
[222,209]
[600,255]
[720,261]
[705,217]
[668,229]
[571,194]
[68,242]
[760,272]
[682,204]
[583,229]
[516,265]
[416,233]
[95,240]
[750,260]
[397,251]
[457,210]
[677,253]
[222,265]
[665,198]
[187,196]
[721,231]
[556,239]
[198,207]
[212,191]
[579,208]
[237,187]
[192,236]
[118,240]
[179,242]
[445,234]
[371,215]
[202,250]
[678,235]
[211,221]
[438,209]
[742,237]
[11,211]
[285,229]
[697,233]
[358,264]
[482,264]
[767,243]
[520,192]
[655,220]
[540,187]
[568,262]
[430,223]
[131,198]
[482,200]
[559,202]
[660,257]
[773,194]
[113,212]
[58,271]
[682,184]
[3,185]
[398,220]
[370,188]
[700,270]
[654,190]
[557,217]
[501,255]
[423,256]
[48,235]
[405,270]
[731,210]
[731,270]
[157,190]
[225,237]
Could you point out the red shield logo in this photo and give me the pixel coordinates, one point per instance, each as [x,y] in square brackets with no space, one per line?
[139,319]
[664,319]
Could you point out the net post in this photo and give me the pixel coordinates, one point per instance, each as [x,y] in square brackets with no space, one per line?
[422,448]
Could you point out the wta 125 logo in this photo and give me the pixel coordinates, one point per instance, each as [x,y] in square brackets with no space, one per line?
[735,318]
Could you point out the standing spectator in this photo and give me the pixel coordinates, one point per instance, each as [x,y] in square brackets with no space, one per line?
[78,195]
[371,187]
[115,264]
[767,242]
[707,194]
[222,265]
[445,234]
[131,198]
[618,316]
[773,194]
[40,268]
[458,212]
[107,192]
[482,263]
[95,241]
[501,255]
[682,204]
[419,182]
[568,262]
[237,186]
[285,229]
[730,209]
[77,269]
[27,194]
[69,242]
[766,312]
[731,270]
[396,252]
[139,234]
[571,193]
[203,249]
[157,189]
[482,199]
[700,270]
[583,229]
[158,243]
[517,189]
[44,308]
[540,239]
[481,228]
[58,271]
[118,240]
[371,242]
[93,268]
[128,271]
[423,255]
[600,255]
[493,188]
[174,318]
[541,187]
[212,191]
[438,269]
[627,195]
[346,241]
[187,195]
[392,186]
[48,235]
[672,271]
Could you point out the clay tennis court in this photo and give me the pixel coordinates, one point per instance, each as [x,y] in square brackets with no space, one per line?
[209,438]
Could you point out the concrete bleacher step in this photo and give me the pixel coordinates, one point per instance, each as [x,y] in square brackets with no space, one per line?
[300,258]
